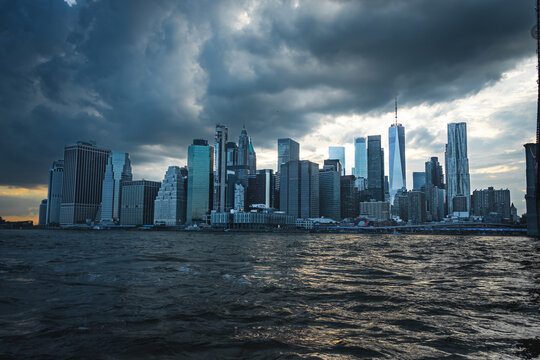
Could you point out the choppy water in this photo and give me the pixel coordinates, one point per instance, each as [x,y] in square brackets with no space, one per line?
[138,295]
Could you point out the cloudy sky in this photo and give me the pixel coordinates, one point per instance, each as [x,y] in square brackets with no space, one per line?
[147,77]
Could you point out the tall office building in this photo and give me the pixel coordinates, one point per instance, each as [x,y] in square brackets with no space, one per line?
[252,159]
[329,191]
[349,197]
[138,199]
[434,173]
[288,150]
[530,195]
[457,168]
[42,220]
[419,180]
[299,190]
[338,152]
[232,156]
[242,169]
[200,180]
[170,203]
[397,175]
[54,198]
[434,189]
[261,188]
[220,177]
[375,167]
[417,207]
[360,157]
[84,169]
[118,169]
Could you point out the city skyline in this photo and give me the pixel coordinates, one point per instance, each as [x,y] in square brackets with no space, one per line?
[493,91]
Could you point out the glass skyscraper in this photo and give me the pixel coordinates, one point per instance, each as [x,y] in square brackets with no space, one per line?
[338,153]
[375,168]
[118,169]
[396,141]
[200,176]
[288,150]
[54,199]
[84,169]
[220,177]
[360,157]
[299,190]
[458,183]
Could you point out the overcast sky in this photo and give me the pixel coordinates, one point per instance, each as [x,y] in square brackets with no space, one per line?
[146,77]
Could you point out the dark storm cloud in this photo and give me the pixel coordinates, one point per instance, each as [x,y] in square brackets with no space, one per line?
[130,74]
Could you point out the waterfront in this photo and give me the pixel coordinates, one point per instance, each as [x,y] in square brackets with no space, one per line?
[133,294]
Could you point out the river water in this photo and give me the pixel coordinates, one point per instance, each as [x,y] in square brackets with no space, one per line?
[145,294]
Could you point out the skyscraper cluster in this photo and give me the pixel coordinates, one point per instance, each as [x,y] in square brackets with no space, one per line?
[93,184]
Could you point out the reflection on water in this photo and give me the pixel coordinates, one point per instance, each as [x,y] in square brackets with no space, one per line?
[175,295]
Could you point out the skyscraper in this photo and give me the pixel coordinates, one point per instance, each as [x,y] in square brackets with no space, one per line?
[220,177]
[457,167]
[299,190]
[261,188]
[530,195]
[338,152]
[170,203]
[434,190]
[42,220]
[138,202]
[200,174]
[397,175]
[252,159]
[419,180]
[84,169]
[288,150]
[329,190]
[118,169]
[54,199]
[242,169]
[360,157]
[375,167]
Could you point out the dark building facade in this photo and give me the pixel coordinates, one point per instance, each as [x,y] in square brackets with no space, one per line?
[299,189]
[349,197]
[417,207]
[138,202]
[84,169]
[375,161]
[329,192]
[54,198]
[419,180]
[261,187]
[530,195]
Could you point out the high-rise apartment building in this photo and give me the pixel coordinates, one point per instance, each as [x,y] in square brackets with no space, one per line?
[138,202]
[54,198]
[434,190]
[118,169]
[220,177]
[299,190]
[84,169]
[360,158]
[200,180]
[397,175]
[338,152]
[288,150]
[488,201]
[375,167]
[349,197]
[170,203]
[457,168]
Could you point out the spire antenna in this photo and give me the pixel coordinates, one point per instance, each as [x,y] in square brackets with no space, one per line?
[396,109]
